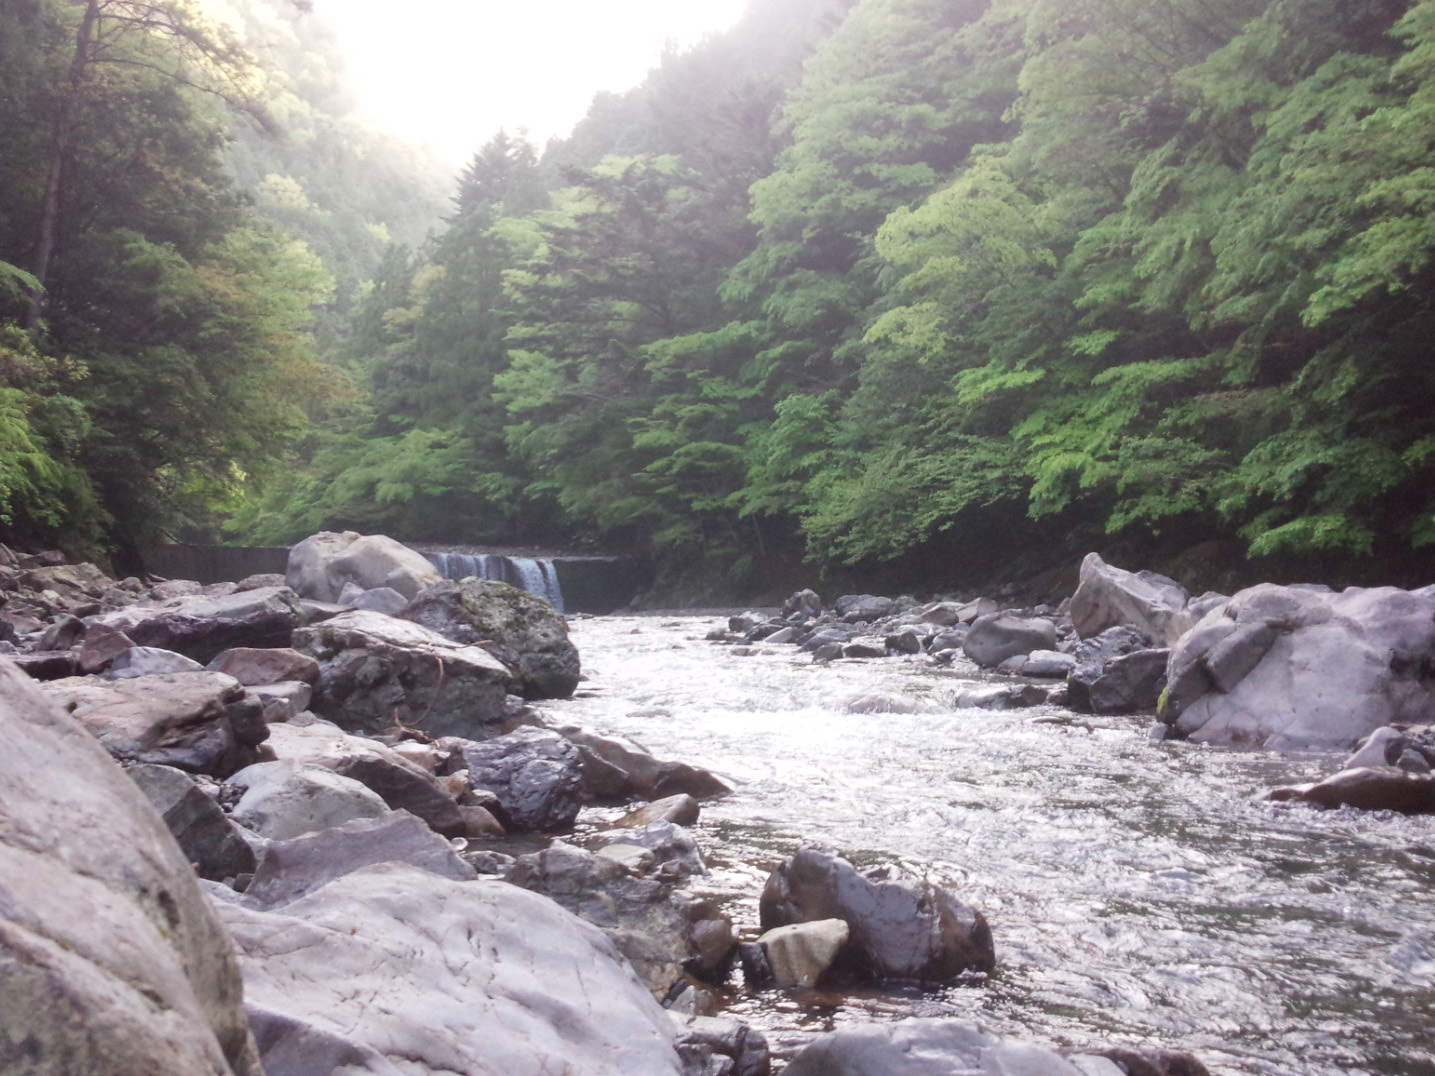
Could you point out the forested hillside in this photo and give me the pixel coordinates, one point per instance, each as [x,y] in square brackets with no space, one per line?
[859,281]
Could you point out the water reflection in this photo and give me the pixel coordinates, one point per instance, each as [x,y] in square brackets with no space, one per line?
[1139,893]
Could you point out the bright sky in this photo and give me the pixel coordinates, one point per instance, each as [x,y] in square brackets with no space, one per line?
[449,73]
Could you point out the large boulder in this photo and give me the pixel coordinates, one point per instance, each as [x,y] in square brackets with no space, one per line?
[202,722]
[1368,788]
[901,929]
[282,800]
[521,630]
[111,960]
[321,564]
[204,627]
[391,965]
[400,782]
[536,774]
[377,672]
[1109,597]
[1304,667]
[998,636]
[925,1047]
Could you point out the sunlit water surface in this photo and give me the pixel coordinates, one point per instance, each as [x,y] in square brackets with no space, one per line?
[1139,893]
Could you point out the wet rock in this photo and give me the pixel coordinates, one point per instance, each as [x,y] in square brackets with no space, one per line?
[865,648]
[900,929]
[401,783]
[727,1038]
[805,604]
[321,564]
[288,799]
[682,810]
[113,960]
[646,776]
[1109,597]
[1047,664]
[908,641]
[952,639]
[1370,788]
[1154,1062]
[201,722]
[521,630]
[376,672]
[205,834]
[294,867]
[1094,654]
[1383,747]
[781,636]
[1129,684]
[798,954]
[852,608]
[1301,667]
[536,775]
[1000,697]
[997,636]
[924,1047]
[666,934]
[672,847]
[255,667]
[432,975]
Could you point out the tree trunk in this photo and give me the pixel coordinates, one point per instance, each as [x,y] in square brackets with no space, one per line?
[60,135]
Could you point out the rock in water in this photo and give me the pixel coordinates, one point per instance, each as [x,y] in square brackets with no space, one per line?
[996,637]
[424,974]
[321,564]
[1304,667]
[900,929]
[521,630]
[924,1047]
[111,960]
[1109,597]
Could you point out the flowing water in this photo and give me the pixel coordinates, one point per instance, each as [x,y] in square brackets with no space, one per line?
[1139,893]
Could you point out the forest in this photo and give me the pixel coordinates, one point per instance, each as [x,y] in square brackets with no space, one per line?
[927,287]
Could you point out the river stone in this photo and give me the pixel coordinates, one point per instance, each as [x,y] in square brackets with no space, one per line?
[854,607]
[1129,684]
[1369,788]
[673,847]
[377,671]
[203,627]
[293,868]
[287,799]
[645,775]
[900,929]
[536,774]
[205,834]
[804,604]
[664,932]
[1300,667]
[799,954]
[730,1038]
[521,630]
[475,978]
[682,810]
[1383,747]
[149,661]
[401,783]
[1092,655]
[100,646]
[1047,664]
[924,1047]
[1000,697]
[202,722]
[321,564]
[998,636]
[256,667]
[1109,597]
[384,600]
[111,960]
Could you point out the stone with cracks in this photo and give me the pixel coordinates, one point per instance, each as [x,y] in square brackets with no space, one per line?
[536,774]
[474,978]
[900,929]
[924,1047]
[377,672]
[202,722]
[1304,667]
[111,960]
[521,630]
[1109,597]
[321,564]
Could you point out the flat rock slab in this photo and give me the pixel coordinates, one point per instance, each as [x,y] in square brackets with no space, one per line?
[202,722]
[111,960]
[472,978]
[376,671]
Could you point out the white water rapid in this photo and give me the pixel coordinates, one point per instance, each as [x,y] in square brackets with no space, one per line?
[1139,893]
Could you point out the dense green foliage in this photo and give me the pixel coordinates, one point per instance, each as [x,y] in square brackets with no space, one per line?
[859,280]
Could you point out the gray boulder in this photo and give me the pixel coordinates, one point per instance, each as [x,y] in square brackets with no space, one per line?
[202,722]
[111,960]
[376,672]
[804,604]
[997,636]
[1128,684]
[854,607]
[1092,655]
[639,773]
[1302,667]
[900,929]
[397,965]
[521,630]
[1368,788]
[1109,597]
[536,774]
[924,1047]
[321,564]
[149,661]
[287,799]
[384,600]
[256,667]
[208,838]
[203,627]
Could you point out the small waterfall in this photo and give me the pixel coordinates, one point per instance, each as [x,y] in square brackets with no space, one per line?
[537,577]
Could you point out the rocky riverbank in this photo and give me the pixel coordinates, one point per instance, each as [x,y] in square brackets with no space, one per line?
[379,812]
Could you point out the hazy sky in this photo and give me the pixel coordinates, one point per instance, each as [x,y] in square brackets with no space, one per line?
[448,73]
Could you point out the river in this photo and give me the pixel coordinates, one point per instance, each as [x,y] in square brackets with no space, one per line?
[1139,893]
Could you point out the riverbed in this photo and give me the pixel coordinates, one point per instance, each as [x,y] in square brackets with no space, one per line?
[1139,893]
